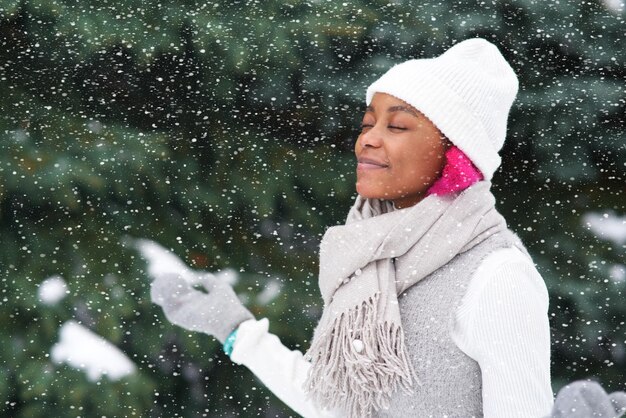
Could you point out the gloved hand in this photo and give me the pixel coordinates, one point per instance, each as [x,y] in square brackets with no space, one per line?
[216,313]
[585,398]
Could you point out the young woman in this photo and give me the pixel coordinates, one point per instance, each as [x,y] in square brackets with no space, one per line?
[432,305]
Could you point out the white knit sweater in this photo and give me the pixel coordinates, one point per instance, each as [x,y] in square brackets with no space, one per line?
[503,320]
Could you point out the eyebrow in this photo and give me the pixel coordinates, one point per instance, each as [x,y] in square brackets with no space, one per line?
[399,108]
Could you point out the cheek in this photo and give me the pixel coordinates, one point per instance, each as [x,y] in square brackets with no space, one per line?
[418,162]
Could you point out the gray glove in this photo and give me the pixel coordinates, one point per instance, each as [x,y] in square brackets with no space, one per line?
[586,398]
[216,313]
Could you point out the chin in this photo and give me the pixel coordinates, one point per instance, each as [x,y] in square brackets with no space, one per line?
[369,192]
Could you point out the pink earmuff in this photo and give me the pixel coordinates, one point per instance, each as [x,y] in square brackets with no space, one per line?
[458,173]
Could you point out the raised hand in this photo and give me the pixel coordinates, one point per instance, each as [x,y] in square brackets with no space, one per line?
[217,312]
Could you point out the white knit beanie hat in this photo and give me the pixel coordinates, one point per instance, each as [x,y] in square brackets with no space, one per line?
[466,92]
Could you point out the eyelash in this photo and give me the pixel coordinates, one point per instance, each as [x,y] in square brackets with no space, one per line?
[363,126]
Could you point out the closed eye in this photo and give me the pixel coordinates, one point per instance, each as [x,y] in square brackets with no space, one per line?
[363,126]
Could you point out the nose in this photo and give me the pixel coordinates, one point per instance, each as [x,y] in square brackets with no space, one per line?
[371,137]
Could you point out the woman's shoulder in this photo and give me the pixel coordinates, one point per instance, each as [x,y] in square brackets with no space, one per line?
[509,264]
[504,256]
[505,269]
[505,283]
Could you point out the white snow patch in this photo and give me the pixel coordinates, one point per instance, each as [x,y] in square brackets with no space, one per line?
[617,273]
[84,350]
[162,261]
[269,292]
[616,6]
[52,290]
[606,225]
[229,275]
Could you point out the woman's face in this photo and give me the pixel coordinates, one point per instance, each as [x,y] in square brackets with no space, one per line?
[408,148]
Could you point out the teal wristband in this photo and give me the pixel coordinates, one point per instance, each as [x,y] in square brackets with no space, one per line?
[230,341]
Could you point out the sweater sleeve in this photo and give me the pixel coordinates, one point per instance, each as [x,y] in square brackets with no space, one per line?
[281,370]
[503,324]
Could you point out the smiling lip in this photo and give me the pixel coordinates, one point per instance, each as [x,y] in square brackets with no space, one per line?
[369,164]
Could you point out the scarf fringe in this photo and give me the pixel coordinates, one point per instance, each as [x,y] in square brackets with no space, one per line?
[343,377]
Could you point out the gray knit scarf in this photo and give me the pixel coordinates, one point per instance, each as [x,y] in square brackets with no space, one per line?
[358,357]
